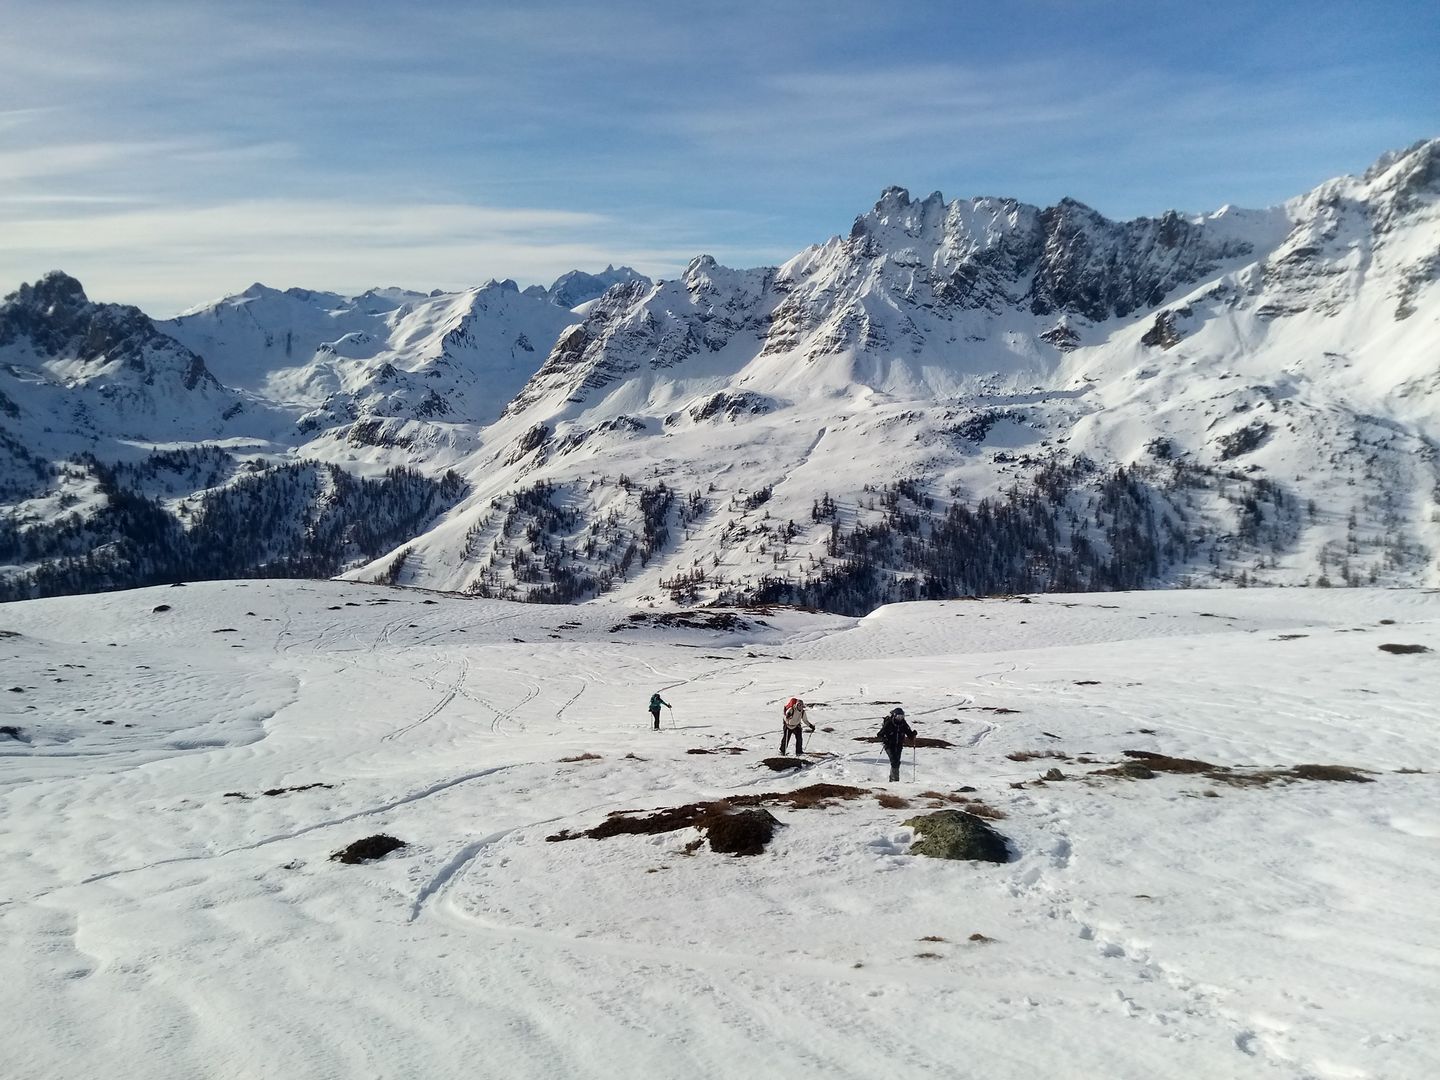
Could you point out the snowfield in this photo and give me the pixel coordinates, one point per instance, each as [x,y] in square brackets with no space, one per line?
[162,916]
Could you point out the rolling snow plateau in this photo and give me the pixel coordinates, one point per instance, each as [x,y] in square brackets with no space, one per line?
[1182,898]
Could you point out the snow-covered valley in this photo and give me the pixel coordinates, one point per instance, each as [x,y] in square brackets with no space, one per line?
[178,765]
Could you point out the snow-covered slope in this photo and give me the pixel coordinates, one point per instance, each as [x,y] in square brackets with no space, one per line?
[1268,381]
[254,399]
[178,764]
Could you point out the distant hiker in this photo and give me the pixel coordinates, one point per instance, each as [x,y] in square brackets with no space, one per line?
[893,733]
[655,702]
[794,718]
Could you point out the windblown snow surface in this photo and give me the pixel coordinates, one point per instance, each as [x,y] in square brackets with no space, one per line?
[153,924]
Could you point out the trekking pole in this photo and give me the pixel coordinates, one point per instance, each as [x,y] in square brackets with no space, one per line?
[914,761]
[672,717]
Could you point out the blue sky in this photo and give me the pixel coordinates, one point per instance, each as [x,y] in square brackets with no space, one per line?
[169,153]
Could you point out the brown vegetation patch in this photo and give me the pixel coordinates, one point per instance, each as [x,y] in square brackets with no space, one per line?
[368,849]
[892,802]
[932,937]
[1032,755]
[980,937]
[811,797]
[730,831]
[1166,763]
[928,956]
[1334,773]
[1401,650]
[579,757]
[717,750]
[780,764]
[701,815]
[738,832]
[1147,766]
[919,740]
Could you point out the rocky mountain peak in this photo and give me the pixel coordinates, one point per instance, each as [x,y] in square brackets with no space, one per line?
[56,291]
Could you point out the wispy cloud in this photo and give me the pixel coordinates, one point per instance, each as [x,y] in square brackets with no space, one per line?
[138,255]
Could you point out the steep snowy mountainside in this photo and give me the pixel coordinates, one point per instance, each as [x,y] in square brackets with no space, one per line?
[454,356]
[317,427]
[1243,395]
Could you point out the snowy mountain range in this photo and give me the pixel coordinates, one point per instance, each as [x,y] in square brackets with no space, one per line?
[955,397]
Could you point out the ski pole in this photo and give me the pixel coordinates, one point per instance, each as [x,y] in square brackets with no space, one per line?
[672,717]
[914,761]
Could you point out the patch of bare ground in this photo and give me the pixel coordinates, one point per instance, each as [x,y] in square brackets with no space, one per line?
[780,764]
[1402,650]
[717,750]
[928,956]
[277,791]
[1034,755]
[932,937]
[707,815]
[892,802]
[1146,765]
[579,757]
[980,938]
[368,849]
[919,740]
[811,797]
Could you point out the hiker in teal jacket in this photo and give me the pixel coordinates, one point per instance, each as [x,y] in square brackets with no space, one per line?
[655,702]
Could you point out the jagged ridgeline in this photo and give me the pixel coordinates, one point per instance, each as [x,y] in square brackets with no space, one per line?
[202,513]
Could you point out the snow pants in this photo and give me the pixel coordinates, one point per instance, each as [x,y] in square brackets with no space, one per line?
[785,732]
[895,750]
[655,712]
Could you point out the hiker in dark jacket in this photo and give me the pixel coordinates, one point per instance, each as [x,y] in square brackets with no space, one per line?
[655,702]
[893,733]
[794,717]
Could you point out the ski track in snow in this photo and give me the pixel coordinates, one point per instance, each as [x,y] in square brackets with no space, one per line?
[1141,930]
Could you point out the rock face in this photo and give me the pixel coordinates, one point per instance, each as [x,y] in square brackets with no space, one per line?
[954,834]
[54,320]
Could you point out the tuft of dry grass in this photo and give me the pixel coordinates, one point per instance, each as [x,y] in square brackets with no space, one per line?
[979,937]
[1334,773]
[892,802]
[928,956]
[579,757]
[1033,755]
[931,937]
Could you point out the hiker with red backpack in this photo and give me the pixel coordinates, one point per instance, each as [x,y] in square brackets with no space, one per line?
[794,718]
